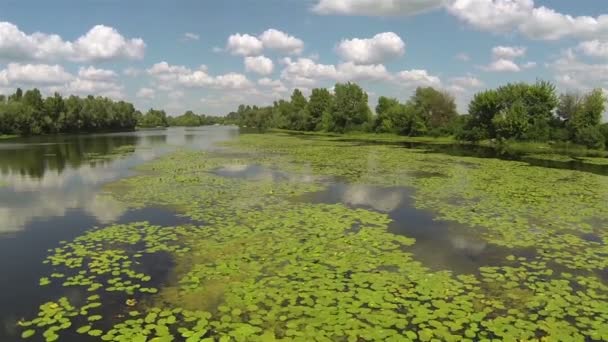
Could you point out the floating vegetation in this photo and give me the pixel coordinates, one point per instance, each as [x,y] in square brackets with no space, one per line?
[262,265]
[118,152]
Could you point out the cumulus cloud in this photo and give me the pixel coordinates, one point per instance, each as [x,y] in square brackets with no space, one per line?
[259,65]
[418,77]
[181,75]
[278,40]
[277,86]
[376,7]
[466,82]
[503,59]
[146,93]
[244,45]
[378,49]
[508,52]
[100,43]
[304,72]
[54,78]
[34,74]
[248,45]
[191,36]
[94,74]
[105,43]
[463,57]
[522,16]
[502,65]
[572,73]
[594,48]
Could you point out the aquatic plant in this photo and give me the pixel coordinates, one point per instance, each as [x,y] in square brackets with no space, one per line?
[260,264]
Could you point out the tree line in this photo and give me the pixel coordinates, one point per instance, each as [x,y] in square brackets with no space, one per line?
[516,111]
[29,113]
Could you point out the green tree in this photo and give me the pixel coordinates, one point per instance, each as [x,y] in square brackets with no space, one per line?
[383,121]
[319,103]
[436,107]
[512,122]
[154,118]
[349,110]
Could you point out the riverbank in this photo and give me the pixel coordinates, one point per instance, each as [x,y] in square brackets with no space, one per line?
[511,147]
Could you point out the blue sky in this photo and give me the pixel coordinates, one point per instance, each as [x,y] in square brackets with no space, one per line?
[209,56]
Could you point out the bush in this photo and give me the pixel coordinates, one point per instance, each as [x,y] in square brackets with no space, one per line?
[590,137]
[472,134]
[604,131]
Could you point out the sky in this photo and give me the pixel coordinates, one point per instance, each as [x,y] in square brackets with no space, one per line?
[210,56]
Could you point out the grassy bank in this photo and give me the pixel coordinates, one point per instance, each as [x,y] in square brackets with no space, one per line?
[513,147]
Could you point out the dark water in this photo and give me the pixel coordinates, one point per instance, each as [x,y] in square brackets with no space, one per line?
[439,245]
[51,194]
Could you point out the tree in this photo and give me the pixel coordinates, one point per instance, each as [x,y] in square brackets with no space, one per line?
[383,121]
[482,109]
[298,118]
[349,109]
[569,104]
[584,124]
[436,107]
[511,122]
[319,103]
[154,118]
[405,119]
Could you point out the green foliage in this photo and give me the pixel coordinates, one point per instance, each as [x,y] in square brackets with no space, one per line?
[154,118]
[590,136]
[30,114]
[262,263]
[320,102]
[437,108]
[604,131]
[189,119]
[511,122]
[349,110]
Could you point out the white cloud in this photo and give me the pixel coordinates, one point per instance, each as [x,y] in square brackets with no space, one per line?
[244,45]
[179,75]
[503,16]
[417,77]
[131,72]
[278,40]
[34,74]
[82,86]
[502,65]
[259,65]
[380,48]
[508,52]
[353,72]
[232,81]
[463,57]
[376,7]
[106,43]
[98,44]
[248,45]
[94,74]
[466,82]
[305,72]
[529,65]
[191,36]
[277,86]
[176,95]
[146,93]
[571,73]
[594,48]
